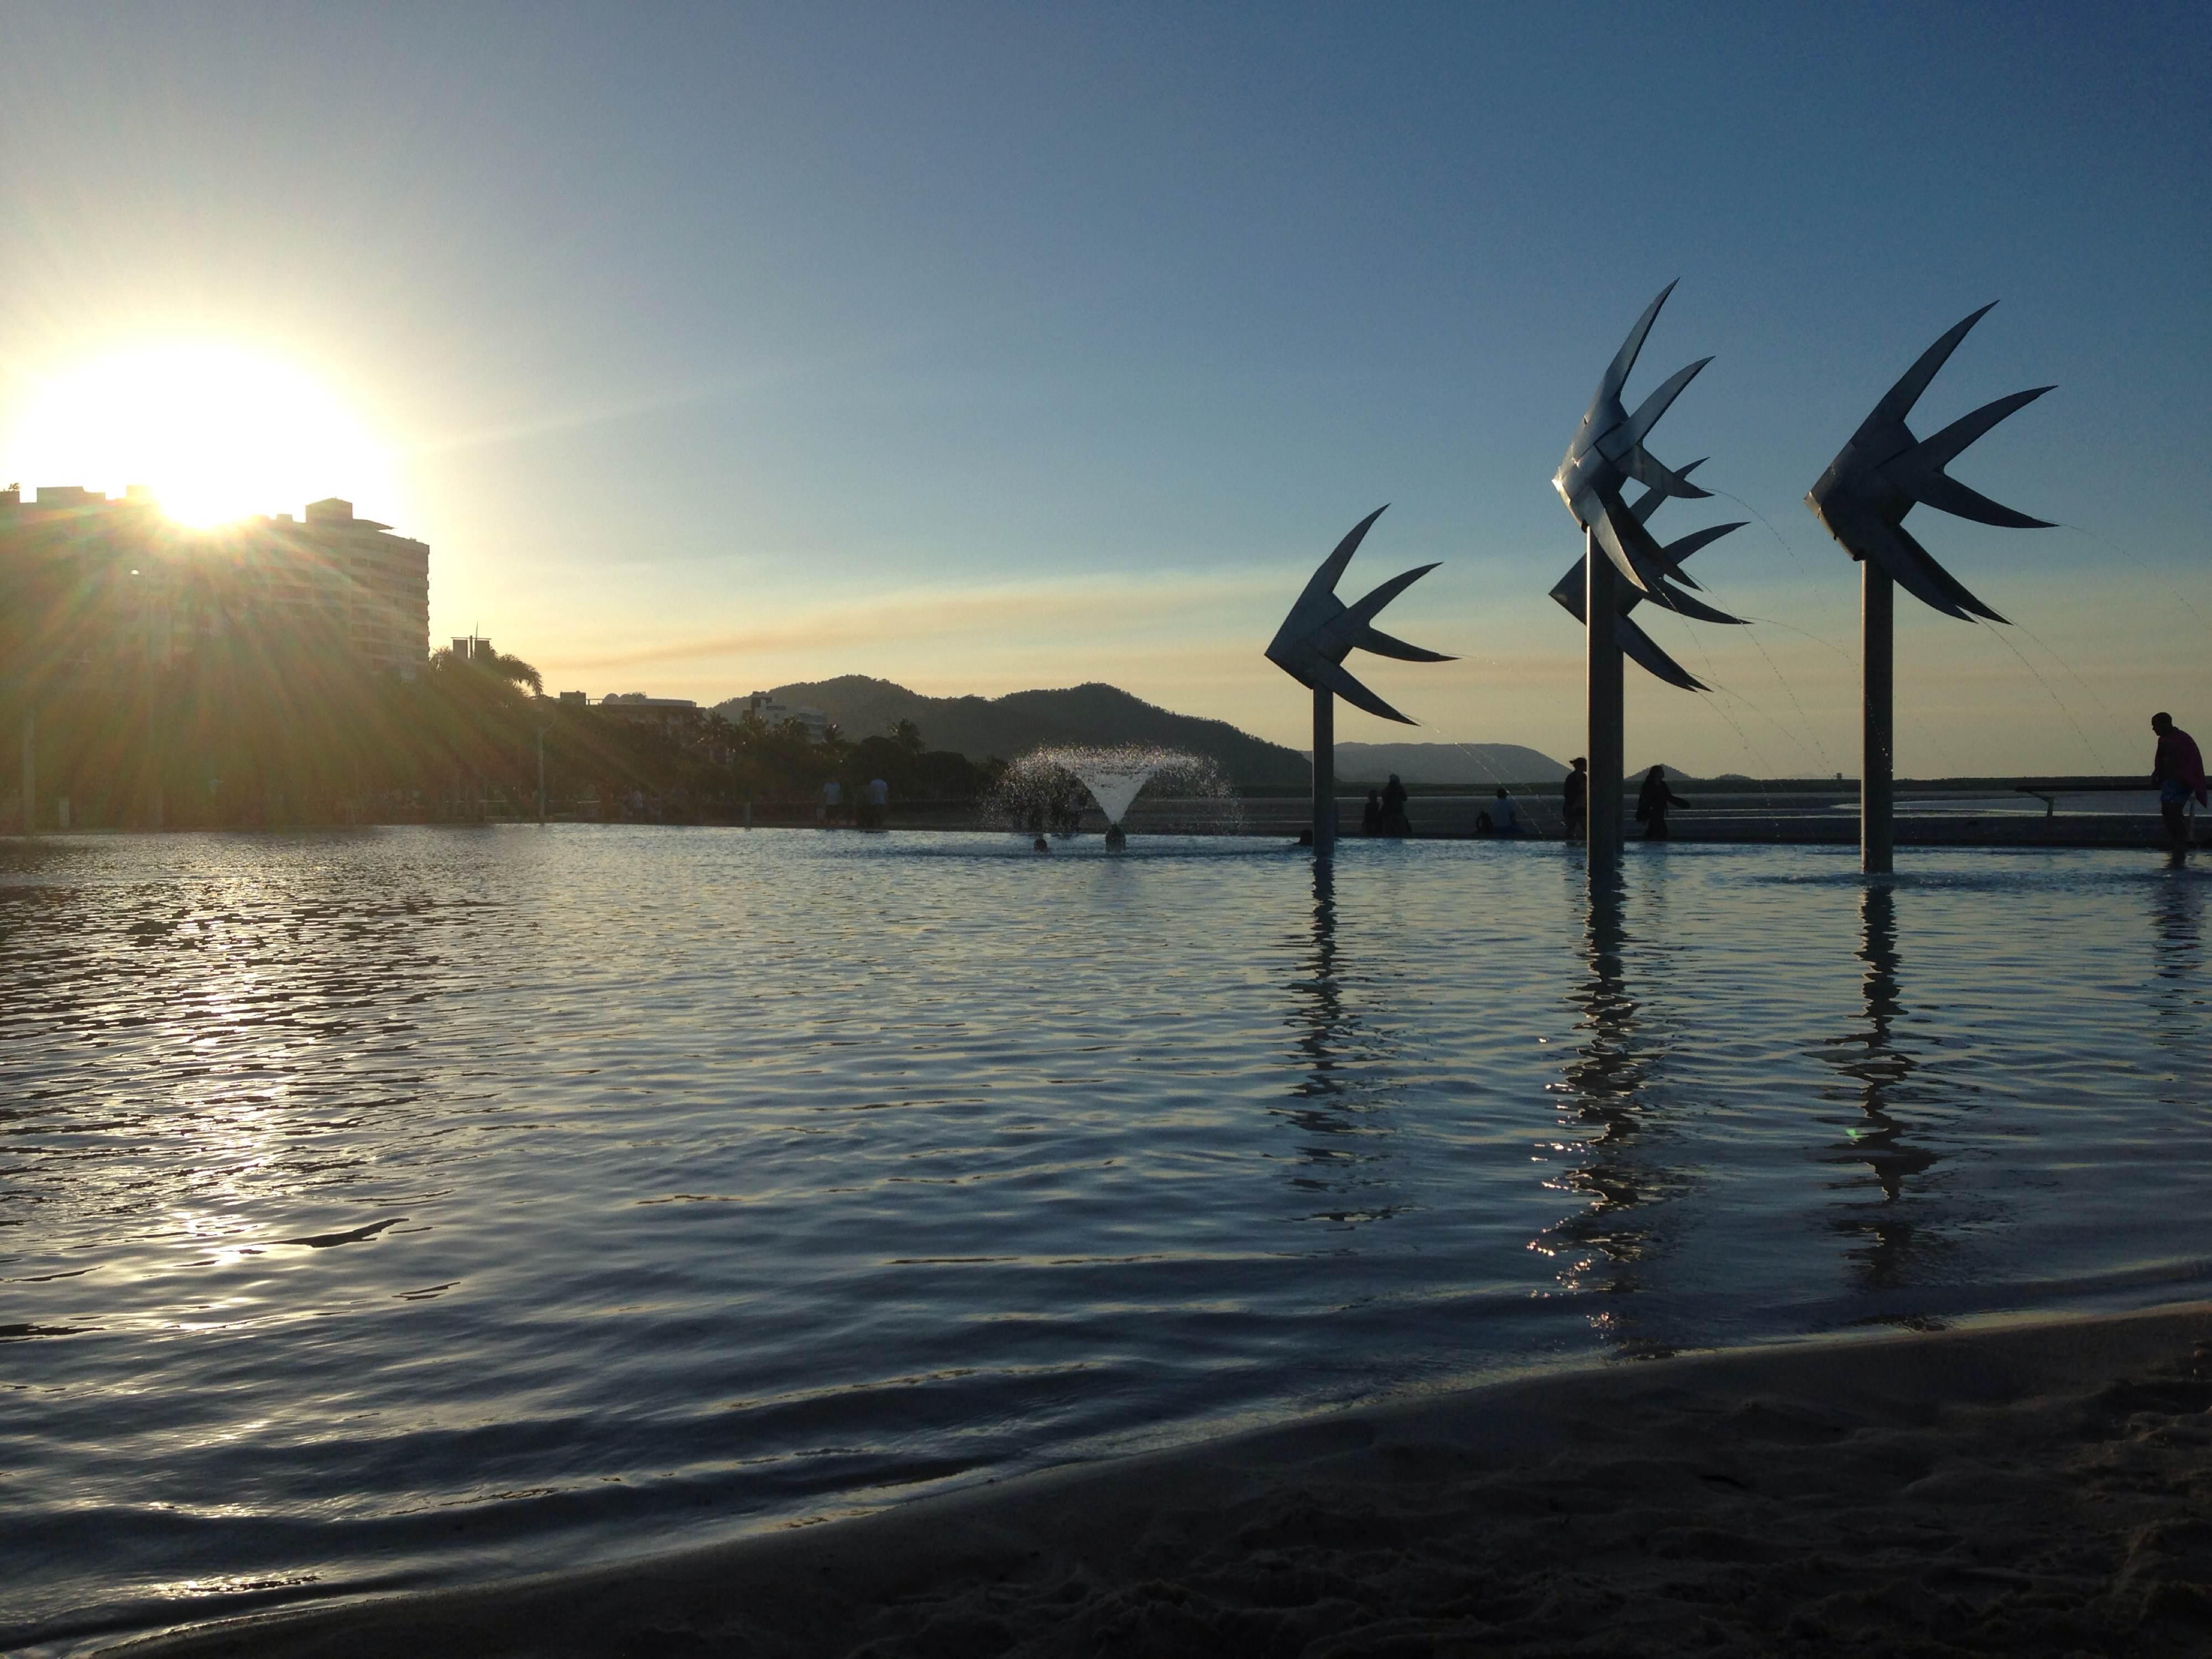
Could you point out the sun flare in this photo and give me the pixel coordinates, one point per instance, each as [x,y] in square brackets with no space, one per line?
[217,430]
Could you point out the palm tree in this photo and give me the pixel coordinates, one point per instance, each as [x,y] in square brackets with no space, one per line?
[515,672]
[485,714]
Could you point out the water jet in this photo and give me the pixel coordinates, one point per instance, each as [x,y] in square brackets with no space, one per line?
[1050,789]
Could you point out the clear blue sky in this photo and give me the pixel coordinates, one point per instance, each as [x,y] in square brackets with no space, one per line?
[987,347]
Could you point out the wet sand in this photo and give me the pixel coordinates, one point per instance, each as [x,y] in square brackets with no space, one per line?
[2028,1489]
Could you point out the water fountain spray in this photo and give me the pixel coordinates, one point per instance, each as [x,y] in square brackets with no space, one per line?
[1877,479]
[1310,646]
[1606,454]
[1043,790]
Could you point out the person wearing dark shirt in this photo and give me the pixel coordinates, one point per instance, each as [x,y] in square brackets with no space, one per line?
[1394,808]
[2178,769]
[1652,801]
[1574,800]
[1370,815]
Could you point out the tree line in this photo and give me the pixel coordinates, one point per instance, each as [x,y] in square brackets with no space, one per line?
[251,729]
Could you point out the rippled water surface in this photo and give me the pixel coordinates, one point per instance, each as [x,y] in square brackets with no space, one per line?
[416,1205]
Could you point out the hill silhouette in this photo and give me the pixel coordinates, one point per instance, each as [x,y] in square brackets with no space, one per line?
[983,727]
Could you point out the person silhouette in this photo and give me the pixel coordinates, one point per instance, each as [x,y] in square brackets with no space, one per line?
[1652,801]
[1394,808]
[1574,800]
[1505,813]
[1370,815]
[2178,769]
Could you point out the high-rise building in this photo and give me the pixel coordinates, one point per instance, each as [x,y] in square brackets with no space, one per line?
[116,580]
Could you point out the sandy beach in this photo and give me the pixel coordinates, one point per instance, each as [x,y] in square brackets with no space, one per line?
[2034,1488]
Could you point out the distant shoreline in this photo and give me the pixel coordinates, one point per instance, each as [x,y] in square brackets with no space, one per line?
[1946,812]
[2108,833]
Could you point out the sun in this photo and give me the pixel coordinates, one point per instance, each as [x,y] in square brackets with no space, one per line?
[218,430]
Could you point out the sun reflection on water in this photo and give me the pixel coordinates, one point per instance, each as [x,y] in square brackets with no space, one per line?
[592,1191]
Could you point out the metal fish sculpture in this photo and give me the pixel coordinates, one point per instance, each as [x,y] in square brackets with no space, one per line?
[1322,630]
[1608,452]
[1569,592]
[1884,472]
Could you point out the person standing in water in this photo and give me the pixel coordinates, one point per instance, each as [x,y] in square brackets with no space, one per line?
[1394,808]
[1652,801]
[2178,769]
[1574,800]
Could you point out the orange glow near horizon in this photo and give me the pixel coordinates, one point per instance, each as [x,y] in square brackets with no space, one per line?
[217,430]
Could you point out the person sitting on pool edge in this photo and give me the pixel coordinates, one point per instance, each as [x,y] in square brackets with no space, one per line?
[1504,814]
[2178,769]
[1370,815]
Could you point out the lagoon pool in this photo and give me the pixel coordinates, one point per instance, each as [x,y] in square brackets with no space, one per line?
[416,1206]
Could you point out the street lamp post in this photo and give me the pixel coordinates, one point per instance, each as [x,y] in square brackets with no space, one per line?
[30,770]
[146,618]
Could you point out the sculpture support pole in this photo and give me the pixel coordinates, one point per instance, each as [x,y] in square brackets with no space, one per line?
[30,772]
[1324,781]
[1877,655]
[1601,603]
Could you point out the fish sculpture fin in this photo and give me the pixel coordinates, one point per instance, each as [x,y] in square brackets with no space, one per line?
[1955,590]
[1648,503]
[1571,592]
[1897,403]
[1324,579]
[1682,546]
[1649,470]
[1684,605]
[1334,677]
[1607,534]
[1366,609]
[1389,645]
[1616,374]
[1649,411]
[1919,472]
[1635,643]
[1908,564]
[1630,545]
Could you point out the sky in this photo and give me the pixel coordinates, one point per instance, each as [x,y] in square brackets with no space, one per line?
[981,348]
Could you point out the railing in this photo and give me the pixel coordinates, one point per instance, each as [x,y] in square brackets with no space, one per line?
[2047,790]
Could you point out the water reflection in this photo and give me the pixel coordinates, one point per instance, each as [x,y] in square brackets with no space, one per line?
[1324,1026]
[225,1055]
[1880,1070]
[1341,1081]
[2176,996]
[281,1008]
[1606,1117]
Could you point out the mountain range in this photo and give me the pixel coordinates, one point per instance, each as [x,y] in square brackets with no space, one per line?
[1005,727]
[1105,716]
